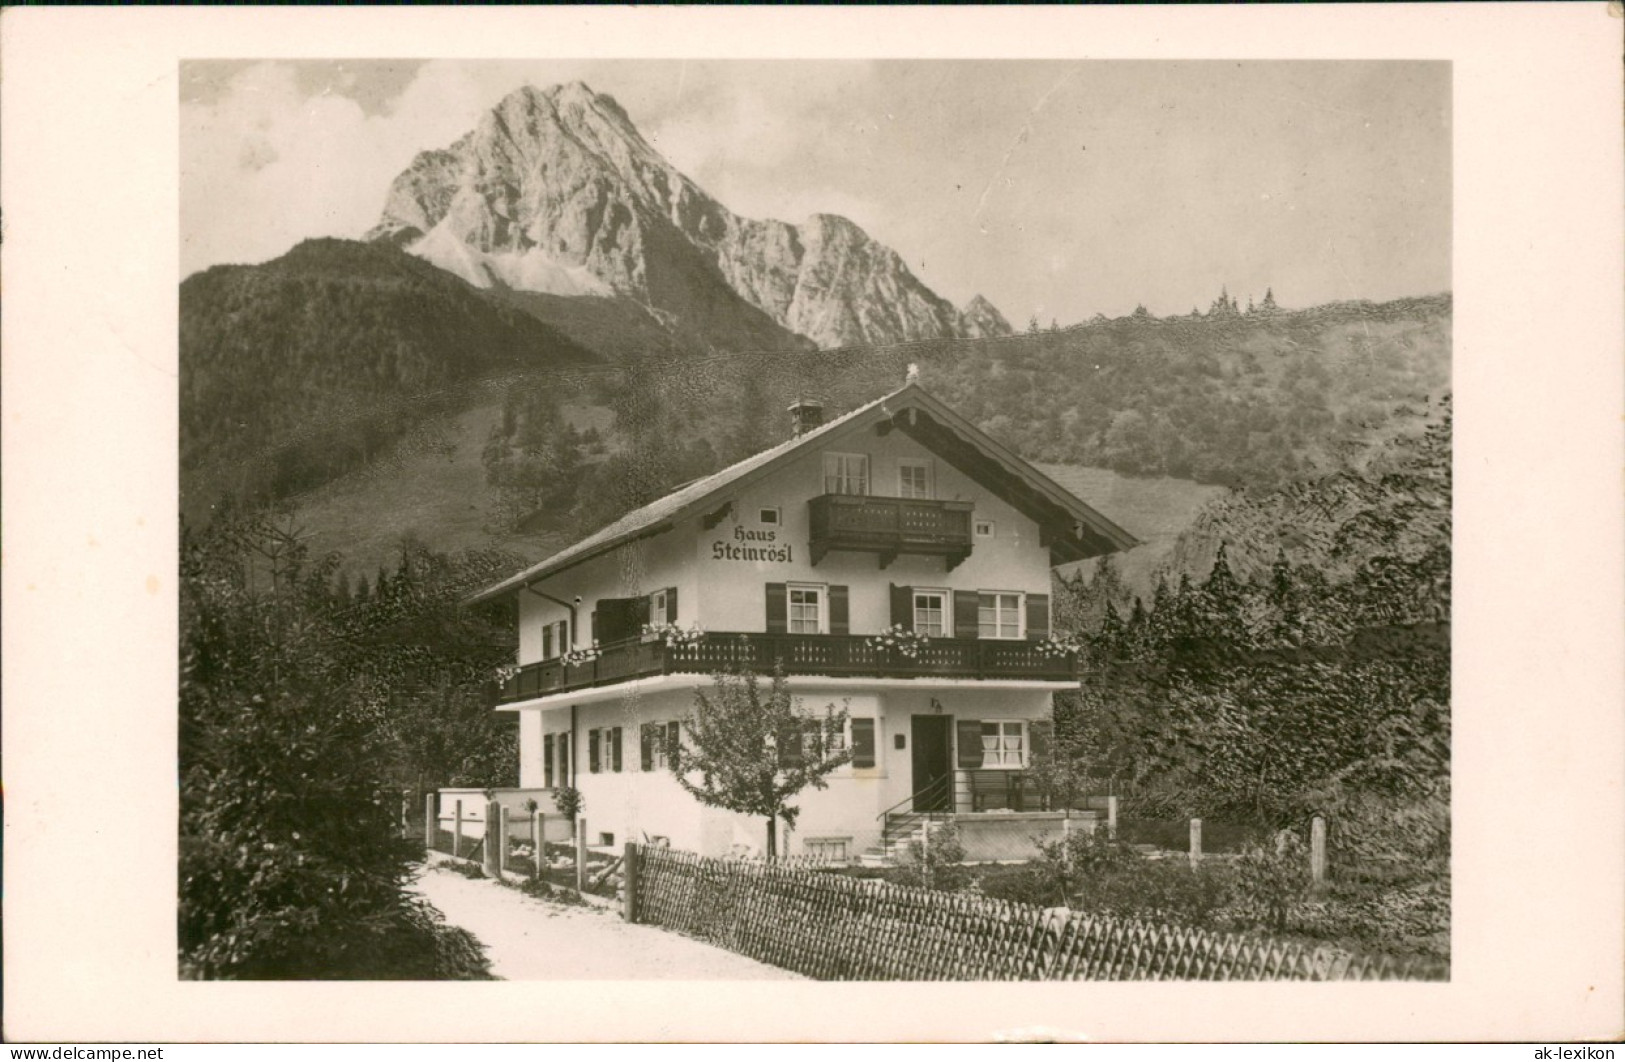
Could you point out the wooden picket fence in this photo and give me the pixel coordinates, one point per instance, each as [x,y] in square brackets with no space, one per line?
[837,928]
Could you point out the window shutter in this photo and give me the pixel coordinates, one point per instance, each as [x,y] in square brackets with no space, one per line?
[547,761]
[840,621]
[902,606]
[594,757]
[674,739]
[968,735]
[646,751]
[671,604]
[1037,616]
[863,742]
[615,749]
[778,608]
[967,618]
[547,641]
[566,740]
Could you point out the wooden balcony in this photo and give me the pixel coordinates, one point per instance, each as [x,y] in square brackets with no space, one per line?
[798,654]
[890,527]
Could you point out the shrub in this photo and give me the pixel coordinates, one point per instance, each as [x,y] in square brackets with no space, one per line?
[567,798]
[1271,882]
[939,865]
[1098,873]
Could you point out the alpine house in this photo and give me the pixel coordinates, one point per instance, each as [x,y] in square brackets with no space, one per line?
[898,514]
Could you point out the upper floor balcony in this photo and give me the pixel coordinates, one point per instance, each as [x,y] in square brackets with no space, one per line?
[890,527]
[798,654]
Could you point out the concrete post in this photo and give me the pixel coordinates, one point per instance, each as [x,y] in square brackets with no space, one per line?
[581,854]
[431,822]
[1196,842]
[457,828]
[629,875]
[1317,852]
[502,840]
[538,841]
[493,840]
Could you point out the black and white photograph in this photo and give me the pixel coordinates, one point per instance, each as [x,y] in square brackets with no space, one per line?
[730,520]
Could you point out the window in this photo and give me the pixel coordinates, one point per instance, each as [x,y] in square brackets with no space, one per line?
[863,742]
[931,612]
[835,850]
[768,516]
[998,615]
[913,478]
[657,744]
[657,607]
[1004,744]
[806,609]
[846,473]
[984,529]
[555,639]
[604,750]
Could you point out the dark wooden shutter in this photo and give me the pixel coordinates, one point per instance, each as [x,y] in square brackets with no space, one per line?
[547,641]
[778,608]
[840,614]
[1037,616]
[968,736]
[967,615]
[566,741]
[674,738]
[646,748]
[863,742]
[547,761]
[594,756]
[671,604]
[615,749]
[902,606]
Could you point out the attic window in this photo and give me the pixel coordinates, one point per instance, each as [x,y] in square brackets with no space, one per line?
[768,516]
[984,529]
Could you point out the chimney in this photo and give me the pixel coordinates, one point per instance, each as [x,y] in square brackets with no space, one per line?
[805,415]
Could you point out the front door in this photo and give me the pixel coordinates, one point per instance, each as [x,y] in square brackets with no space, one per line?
[933,762]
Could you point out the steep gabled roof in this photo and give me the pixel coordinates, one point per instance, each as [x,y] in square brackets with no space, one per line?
[1070,529]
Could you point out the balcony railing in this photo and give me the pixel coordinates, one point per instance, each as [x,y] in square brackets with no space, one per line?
[890,526]
[798,654]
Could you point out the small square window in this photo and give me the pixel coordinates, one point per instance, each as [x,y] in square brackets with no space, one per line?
[984,529]
[768,516]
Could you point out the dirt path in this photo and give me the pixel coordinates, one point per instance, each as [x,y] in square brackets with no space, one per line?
[528,939]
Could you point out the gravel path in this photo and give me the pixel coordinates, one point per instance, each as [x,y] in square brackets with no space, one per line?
[528,939]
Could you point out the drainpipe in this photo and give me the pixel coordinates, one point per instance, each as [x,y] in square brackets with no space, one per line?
[574,626]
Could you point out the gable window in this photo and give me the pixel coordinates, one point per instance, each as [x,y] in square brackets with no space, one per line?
[998,615]
[1004,744]
[931,612]
[913,478]
[846,473]
[770,517]
[806,609]
[984,529]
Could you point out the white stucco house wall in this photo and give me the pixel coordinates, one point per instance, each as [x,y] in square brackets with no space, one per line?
[899,512]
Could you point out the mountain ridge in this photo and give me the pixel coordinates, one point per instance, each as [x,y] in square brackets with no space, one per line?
[556,189]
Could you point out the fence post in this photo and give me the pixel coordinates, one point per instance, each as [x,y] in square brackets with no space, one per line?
[538,840]
[502,840]
[493,825]
[457,829]
[581,854]
[629,875]
[1111,816]
[1196,842]
[1317,852]
[431,823]
[406,814]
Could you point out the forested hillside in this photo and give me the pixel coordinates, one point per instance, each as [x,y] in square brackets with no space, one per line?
[299,369]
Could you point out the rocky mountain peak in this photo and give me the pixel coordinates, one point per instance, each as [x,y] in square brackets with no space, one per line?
[980,319]
[555,190]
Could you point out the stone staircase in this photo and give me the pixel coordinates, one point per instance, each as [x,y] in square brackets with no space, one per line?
[898,831]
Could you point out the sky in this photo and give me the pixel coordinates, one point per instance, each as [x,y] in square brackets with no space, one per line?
[1057,189]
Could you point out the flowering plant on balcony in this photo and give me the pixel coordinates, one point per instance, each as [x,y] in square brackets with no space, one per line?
[1058,647]
[504,673]
[674,636]
[901,640]
[585,655]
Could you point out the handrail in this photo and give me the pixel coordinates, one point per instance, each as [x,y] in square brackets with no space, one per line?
[944,783]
